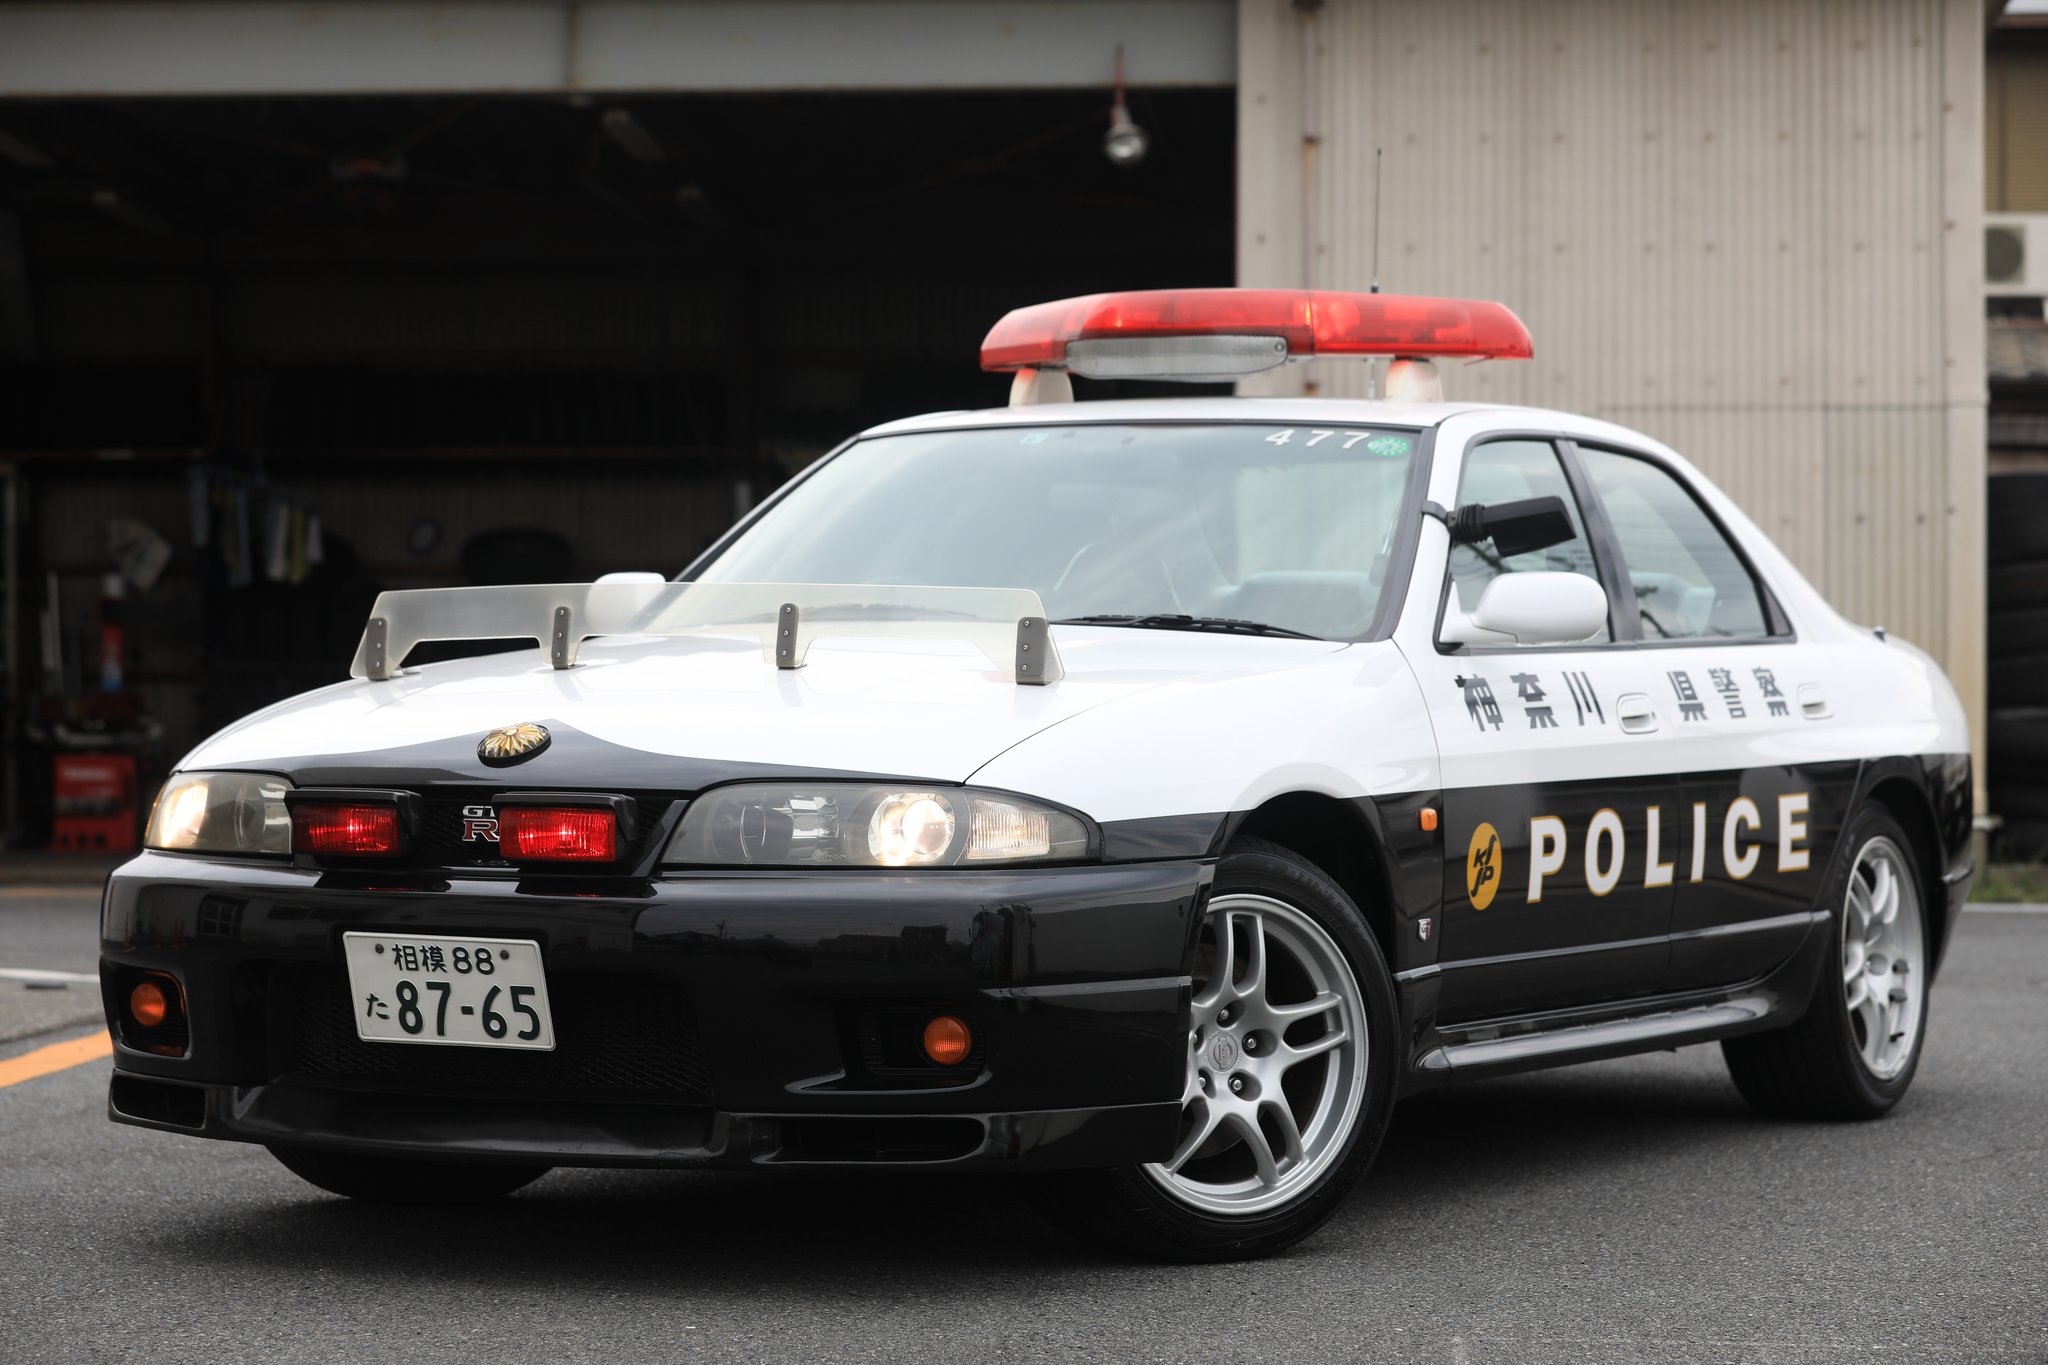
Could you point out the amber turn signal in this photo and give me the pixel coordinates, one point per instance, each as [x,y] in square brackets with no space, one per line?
[1429,819]
[147,1005]
[947,1040]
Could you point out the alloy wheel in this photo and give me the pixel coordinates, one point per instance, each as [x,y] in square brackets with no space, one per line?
[1277,1060]
[1884,966]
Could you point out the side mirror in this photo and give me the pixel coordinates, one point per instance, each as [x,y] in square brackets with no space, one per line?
[1516,528]
[1537,608]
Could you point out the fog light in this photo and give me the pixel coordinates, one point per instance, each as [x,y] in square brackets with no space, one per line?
[947,1040]
[147,1004]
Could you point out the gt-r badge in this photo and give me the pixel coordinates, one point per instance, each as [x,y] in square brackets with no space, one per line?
[512,744]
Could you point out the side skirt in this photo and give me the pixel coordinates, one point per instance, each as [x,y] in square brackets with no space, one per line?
[1499,1047]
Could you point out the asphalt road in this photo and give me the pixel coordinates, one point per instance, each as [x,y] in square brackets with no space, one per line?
[1625,1211]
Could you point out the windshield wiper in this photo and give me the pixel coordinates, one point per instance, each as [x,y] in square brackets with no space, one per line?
[1168,621]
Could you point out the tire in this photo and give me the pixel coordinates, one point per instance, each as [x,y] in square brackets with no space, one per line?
[2015,632]
[2018,682]
[1214,1199]
[2017,524]
[404,1180]
[2017,587]
[2016,745]
[2019,800]
[1825,1066]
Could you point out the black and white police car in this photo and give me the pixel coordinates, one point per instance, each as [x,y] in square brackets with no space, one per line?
[1146,794]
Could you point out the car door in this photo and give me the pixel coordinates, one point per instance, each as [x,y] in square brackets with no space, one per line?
[1558,797]
[1763,804]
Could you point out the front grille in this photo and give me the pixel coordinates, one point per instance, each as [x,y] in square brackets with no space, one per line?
[439,837]
[617,1037]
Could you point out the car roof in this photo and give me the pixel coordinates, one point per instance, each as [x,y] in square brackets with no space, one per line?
[1217,408]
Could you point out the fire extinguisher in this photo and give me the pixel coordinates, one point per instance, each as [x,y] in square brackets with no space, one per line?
[112,650]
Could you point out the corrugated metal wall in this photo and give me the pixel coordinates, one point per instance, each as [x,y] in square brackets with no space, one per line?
[1751,229]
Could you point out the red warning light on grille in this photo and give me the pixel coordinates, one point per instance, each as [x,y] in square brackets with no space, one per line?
[588,834]
[345,829]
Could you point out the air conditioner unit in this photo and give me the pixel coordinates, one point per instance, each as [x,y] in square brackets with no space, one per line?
[2016,255]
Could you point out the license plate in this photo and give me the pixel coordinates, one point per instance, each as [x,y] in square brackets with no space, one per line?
[460,991]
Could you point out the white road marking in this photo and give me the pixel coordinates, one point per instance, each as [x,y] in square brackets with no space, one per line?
[2007,908]
[32,974]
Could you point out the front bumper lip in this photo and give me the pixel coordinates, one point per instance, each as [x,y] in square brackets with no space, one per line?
[1077,978]
[565,1134]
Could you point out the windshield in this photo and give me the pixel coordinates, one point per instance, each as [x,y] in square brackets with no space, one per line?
[1287,526]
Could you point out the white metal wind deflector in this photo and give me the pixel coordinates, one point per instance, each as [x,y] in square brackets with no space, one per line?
[1007,625]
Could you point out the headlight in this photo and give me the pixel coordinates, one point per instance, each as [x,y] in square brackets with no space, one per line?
[830,824]
[221,813]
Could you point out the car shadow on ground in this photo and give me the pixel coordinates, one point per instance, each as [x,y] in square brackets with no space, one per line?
[745,1231]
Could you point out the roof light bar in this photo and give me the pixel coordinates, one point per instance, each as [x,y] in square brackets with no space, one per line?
[1209,334]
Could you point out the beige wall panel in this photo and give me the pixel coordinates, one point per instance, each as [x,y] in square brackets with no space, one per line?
[1749,228]
[1886,556]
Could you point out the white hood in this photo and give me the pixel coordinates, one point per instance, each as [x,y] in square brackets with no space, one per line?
[934,710]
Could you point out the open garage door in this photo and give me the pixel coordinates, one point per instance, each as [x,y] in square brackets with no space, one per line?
[322,346]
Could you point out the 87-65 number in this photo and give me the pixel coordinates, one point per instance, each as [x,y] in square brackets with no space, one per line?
[413,1020]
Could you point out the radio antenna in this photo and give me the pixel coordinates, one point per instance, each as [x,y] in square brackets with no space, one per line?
[1377,152]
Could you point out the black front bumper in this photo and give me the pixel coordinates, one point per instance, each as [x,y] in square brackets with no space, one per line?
[701,1018]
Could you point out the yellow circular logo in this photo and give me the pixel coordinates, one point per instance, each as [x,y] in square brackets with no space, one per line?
[1482,866]
[512,743]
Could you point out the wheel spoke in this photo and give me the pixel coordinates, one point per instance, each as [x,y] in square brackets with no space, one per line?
[1291,1055]
[1255,1142]
[1872,1012]
[1290,1131]
[1204,1129]
[1221,986]
[1859,903]
[1855,957]
[1253,987]
[1858,988]
[1885,902]
[1287,1014]
[1193,1091]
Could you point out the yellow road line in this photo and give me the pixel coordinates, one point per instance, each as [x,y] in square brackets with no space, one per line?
[55,1057]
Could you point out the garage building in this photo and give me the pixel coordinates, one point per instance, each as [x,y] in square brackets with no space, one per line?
[323,297]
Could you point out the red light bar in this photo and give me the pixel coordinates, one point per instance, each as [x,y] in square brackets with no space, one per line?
[588,834]
[345,829]
[1312,322]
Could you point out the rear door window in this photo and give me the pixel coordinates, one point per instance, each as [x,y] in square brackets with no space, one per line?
[1690,583]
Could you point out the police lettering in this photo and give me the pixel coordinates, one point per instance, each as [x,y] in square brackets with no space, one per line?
[1605,855]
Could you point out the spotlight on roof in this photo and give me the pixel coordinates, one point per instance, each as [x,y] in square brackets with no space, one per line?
[634,140]
[1125,144]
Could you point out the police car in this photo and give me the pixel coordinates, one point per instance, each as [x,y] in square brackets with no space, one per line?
[1143,794]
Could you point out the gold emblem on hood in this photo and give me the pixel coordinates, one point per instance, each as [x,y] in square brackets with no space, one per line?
[511,743]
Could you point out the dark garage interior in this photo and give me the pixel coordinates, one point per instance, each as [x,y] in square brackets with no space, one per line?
[262,358]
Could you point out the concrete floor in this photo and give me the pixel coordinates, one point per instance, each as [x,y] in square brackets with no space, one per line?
[1624,1211]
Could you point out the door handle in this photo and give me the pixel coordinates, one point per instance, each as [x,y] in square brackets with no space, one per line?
[1813,702]
[1638,714]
